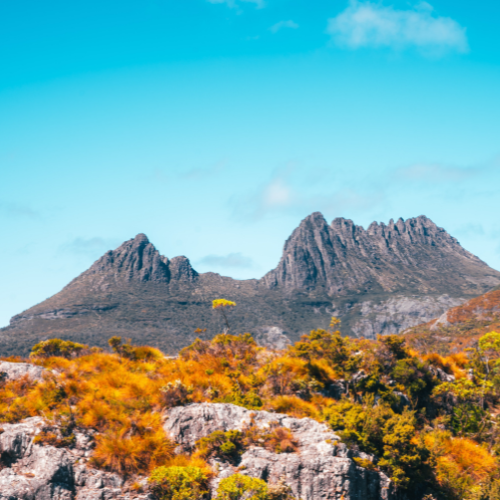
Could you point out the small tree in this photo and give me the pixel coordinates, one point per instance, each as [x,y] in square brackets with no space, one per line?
[221,305]
[179,483]
[57,347]
[240,487]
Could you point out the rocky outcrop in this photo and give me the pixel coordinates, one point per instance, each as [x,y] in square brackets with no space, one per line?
[33,471]
[12,371]
[407,255]
[272,337]
[321,468]
[138,260]
[399,313]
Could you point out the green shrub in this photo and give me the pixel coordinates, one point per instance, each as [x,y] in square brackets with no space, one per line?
[240,487]
[179,483]
[226,445]
[57,347]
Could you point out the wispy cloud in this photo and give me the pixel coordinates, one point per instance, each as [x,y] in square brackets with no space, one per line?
[89,247]
[260,4]
[366,24]
[17,210]
[435,173]
[232,260]
[192,174]
[283,24]
[288,192]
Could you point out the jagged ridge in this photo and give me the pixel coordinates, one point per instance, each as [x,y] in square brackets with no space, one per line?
[369,278]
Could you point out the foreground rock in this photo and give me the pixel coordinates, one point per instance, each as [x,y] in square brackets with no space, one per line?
[322,468]
[13,371]
[36,472]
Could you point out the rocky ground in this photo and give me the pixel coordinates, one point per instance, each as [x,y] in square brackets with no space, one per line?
[321,467]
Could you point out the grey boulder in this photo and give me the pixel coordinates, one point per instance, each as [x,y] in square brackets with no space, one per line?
[322,468]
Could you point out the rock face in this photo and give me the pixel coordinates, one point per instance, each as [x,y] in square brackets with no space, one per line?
[12,371]
[272,337]
[399,313]
[321,468]
[35,472]
[384,280]
[343,258]
[138,260]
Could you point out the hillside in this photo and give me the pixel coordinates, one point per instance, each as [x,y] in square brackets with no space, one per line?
[328,418]
[384,279]
[459,327]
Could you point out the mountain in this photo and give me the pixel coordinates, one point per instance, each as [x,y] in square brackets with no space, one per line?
[459,327]
[380,280]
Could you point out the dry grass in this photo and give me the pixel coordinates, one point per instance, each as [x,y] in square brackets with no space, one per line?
[123,395]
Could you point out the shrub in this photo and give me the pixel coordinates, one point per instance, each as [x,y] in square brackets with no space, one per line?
[125,350]
[175,394]
[57,347]
[226,445]
[179,483]
[49,438]
[414,376]
[240,487]
[280,491]
[128,453]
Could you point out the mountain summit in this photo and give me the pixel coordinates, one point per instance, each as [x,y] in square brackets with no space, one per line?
[407,255]
[380,280]
[138,260]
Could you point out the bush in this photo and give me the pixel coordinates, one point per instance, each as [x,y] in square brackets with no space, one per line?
[240,487]
[179,483]
[127,453]
[226,445]
[174,394]
[57,347]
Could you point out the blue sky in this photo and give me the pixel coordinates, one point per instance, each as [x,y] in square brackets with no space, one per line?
[215,126]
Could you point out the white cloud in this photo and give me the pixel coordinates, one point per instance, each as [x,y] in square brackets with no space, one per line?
[436,173]
[232,260]
[366,24]
[277,194]
[283,24]
[260,4]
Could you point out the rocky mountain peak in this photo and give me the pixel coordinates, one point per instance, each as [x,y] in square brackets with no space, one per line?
[345,258]
[138,260]
[181,270]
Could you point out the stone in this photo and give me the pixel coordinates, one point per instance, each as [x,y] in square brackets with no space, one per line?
[12,371]
[322,468]
[37,472]
[272,337]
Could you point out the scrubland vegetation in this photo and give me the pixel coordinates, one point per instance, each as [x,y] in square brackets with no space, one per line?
[424,418]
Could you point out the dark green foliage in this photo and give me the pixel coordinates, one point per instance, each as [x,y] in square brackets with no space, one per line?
[179,483]
[57,347]
[225,445]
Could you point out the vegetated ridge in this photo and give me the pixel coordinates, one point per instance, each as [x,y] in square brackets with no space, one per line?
[460,327]
[330,418]
[384,279]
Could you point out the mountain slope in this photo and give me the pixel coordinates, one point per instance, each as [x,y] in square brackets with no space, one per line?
[380,280]
[459,327]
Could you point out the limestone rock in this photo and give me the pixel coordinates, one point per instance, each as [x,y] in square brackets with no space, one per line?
[272,337]
[399,313]
[322,468]
[12,371]
[37,472]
